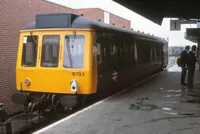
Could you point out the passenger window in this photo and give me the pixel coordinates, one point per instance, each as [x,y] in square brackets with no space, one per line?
[98,49]
[29,52]
[99,53]
[121,50]
[104,50]
[155,57]
[151,54]
[50,50]
[118,50]
[125,48]
[111,49]
[114,49]
[132,49]
[136,54]
[74,51]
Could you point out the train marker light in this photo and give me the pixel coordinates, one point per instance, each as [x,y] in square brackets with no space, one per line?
[27,82]
[74,86]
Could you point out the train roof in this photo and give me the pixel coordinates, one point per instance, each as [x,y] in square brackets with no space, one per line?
[69,20]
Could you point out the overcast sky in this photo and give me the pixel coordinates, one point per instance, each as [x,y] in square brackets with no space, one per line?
[137,21]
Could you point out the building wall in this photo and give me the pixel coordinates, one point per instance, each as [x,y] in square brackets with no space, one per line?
[96,13]
[120,22]
[14,15]
[92,13]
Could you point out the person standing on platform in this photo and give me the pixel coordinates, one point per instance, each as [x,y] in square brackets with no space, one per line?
[183,59]
[197,58]
[191,63]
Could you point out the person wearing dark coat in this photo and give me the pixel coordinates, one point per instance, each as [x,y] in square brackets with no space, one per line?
[191,63]
[183,57]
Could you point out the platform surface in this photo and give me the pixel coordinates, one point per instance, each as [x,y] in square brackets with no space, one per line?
[169,109]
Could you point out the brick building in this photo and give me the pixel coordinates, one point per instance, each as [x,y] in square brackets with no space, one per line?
[106,17]
[15,14]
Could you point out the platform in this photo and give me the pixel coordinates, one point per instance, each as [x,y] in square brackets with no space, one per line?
[169,109]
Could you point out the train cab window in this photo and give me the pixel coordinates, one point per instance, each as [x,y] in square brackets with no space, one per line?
[50,50]
[74,51]
[29,52]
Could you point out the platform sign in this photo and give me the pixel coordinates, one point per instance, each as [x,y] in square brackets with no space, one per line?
[175,25]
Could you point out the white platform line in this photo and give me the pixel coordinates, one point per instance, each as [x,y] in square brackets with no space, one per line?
[89,107]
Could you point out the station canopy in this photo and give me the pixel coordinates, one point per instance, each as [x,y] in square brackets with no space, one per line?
[156,10]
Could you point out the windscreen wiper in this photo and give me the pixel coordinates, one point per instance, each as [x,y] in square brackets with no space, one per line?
[34,41]
[69,52]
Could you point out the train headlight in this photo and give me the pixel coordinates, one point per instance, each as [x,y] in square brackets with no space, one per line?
[27,82]
[74,86]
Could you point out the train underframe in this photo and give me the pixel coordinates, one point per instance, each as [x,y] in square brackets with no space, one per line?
[45,103]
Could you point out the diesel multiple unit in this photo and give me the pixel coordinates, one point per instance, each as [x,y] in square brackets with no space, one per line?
[65,58]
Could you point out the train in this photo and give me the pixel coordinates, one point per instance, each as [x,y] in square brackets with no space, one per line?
[64,58]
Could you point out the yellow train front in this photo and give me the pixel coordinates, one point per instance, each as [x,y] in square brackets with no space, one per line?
[54,63]
[64,58]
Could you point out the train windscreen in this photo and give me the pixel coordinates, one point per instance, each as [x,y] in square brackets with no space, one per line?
[50,50]
[29,52]
[74,51]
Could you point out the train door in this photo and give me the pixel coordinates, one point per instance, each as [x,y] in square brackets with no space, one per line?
[102,67]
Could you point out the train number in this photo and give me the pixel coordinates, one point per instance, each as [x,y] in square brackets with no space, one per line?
[78,74]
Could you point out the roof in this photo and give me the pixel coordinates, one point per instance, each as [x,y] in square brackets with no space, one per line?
[192,34]
[68,20]
[156,10]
